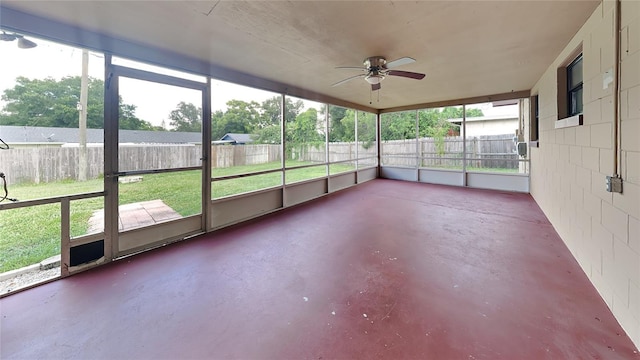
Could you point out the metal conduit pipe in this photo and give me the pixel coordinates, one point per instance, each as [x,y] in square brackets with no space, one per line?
[617,150]
[614,181]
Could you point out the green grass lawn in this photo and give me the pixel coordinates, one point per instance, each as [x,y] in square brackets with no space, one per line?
[32,234]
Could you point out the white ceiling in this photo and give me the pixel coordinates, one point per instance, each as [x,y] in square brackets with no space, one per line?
[466,48]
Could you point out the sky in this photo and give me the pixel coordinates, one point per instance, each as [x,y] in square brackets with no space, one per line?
[49,59]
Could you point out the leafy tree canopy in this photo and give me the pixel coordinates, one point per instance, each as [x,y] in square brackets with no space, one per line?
[304,128]
[240,117]
[50,102]
[270,111]
[186,117]
[53,103]
[337,115]
[431,123]
[268,129]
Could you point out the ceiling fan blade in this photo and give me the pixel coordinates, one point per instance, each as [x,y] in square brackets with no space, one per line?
[400,62]
[348,79]
[351,67]
[407,74]
[375,87]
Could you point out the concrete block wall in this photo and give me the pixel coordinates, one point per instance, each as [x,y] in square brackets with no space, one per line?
[568,170]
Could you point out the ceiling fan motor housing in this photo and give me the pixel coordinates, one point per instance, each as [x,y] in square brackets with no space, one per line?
[375,63]
[376,68]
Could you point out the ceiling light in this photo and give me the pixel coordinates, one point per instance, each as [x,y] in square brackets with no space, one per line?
[22,42]
[374,78]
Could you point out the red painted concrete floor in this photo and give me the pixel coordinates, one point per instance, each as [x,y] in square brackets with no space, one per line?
[385,270]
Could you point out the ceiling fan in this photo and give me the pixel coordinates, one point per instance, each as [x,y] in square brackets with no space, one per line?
[23,42]
[376,68]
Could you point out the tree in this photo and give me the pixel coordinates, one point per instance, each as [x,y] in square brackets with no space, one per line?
[53,103]
[216,121]
[186,117]
[366,129]
[343,124]
[304,128]
[474,112]
[267,130]
[270,112]
[292,109]
[398,125]
[336,125]
[431,123]
[241,117]
[435,122]
[268,135]
[127,119]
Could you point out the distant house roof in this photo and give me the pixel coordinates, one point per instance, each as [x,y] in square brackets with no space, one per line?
[36,134]
[236,138]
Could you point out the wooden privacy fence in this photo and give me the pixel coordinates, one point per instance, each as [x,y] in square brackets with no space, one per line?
[153,157]
[492,151]
[236,155]
[46,164]
[338,151]
[487,151]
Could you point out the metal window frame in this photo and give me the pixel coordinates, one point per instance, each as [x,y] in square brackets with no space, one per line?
[573,90]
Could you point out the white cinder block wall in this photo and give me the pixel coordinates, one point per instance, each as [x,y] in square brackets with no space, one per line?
[568,170]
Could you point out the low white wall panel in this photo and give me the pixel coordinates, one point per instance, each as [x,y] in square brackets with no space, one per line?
[230,211]
[455,178]
[398,173]
[305,191]
[342,181]
[367,174]
[507,182]
[152,236]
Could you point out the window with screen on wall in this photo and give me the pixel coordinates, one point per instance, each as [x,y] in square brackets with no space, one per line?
[574,87]
[534,119]
[569,90]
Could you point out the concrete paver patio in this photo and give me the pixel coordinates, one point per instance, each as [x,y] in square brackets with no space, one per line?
[135,215]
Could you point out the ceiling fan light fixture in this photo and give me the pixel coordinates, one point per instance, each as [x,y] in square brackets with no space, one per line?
[374,78]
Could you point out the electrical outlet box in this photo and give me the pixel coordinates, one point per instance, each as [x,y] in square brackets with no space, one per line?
[522,148]
[614,184]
